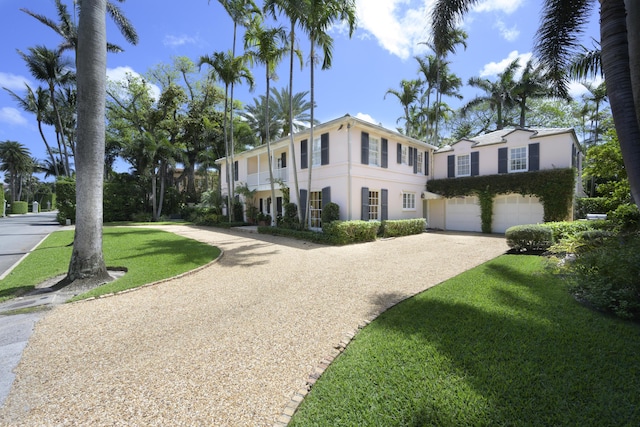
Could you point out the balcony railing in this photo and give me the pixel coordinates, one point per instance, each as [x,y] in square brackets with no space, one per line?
[261,180]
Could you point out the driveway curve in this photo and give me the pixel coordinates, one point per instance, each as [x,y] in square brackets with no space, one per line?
[228,345]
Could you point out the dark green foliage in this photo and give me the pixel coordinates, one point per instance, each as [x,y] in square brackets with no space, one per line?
[19,207]
[330,213]
[290,219]
[238,212]
[553,187]
[66,200]
[486,210]
[590,205]
[563,229]
[529,237]
[347,232]
[1,199]
[626,218]
[608,277]
[310,236]
[123,198]
[403,227]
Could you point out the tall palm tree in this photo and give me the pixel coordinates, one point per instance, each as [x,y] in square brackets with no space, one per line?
[230,70]
[291,111]
[255,117]
[87,261]
[15,159]
[267,46]
[320,15]
[50,67]
[294,10]
[407,95]
[597,94]
[557,39]
[532,84]
[37,102]
[68,30]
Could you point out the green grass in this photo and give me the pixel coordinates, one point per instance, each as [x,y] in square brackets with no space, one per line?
[148,254]
[503,344]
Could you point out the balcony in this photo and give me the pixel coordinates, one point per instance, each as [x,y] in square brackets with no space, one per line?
[260,180]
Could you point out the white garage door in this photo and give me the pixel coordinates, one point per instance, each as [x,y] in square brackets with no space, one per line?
[514,209]
[463,214]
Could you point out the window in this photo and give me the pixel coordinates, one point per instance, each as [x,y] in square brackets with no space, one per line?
[317,152]
[463,165]
[518,159]
[315,209]
[404,154]
[374,151]
[374,205]
[409,201]
[419,161]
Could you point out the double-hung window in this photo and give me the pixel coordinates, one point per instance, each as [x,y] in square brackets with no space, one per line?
[317,152]
[419,161]
[404,155]
[463,165]
[374,205]
[409,201]
[374,151]
[518,159]
[315,209]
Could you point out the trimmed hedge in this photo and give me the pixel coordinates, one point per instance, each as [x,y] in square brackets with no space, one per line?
[311,236]
[529,237]
[403,227]
[554,187]
[591,205]
[19,207]
[66,200]
[1,199]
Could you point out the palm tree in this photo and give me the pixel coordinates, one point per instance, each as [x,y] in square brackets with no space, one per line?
[497,94]
[294,10]
[50,67]
[269,46]
[87,261]
[290,111]
[67,29]
[533,84]
[15,159]
[407,95]
[230,70]
[255,117]
[37,102]
[562,22]
[596,96]
[319,16]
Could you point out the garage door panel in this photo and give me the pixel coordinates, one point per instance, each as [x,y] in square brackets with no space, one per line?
[463,214]
[514,209]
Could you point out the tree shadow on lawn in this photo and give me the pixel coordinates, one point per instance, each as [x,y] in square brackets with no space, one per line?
[532,355]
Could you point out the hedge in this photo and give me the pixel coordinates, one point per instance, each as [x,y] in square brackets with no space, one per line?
[1,199]
[403,227]
[529,237]
[346,232]
[591,205]
[66,200]
[553,187]
[19,207]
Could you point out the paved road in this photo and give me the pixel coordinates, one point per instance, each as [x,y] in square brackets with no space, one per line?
[18,235]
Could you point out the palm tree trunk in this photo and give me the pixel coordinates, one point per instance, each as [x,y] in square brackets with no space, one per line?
[54,163]
[87,262]
[633,35]
[60,130]
[615,64]
[307,212]
[267,123]
[231,141]
[291,139]
[226,149]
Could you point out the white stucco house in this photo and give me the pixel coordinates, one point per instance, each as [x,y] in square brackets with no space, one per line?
[374,173]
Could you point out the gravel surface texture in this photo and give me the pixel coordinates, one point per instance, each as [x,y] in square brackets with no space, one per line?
[229,345]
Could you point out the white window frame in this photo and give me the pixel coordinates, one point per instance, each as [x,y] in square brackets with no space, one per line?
[374,205]
[419,160]
[315,209]
[374,151]
[316,150]
[405,155]
[408,201]
[522,159]
[467,165]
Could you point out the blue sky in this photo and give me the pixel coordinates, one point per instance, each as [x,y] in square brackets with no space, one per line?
[378,56]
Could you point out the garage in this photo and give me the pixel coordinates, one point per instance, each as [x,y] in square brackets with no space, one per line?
[515,209]
[463,214]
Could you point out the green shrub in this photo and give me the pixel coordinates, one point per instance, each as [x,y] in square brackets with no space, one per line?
[238,211]
[581,242]
[310,236]
[591,205]
[529,237]
[608,277]
[123,198]
[330,213]
[1,199]
[403,227]
[66,200]
[626,218]
[290,217]
[19,207]
[562,229]
[346,232]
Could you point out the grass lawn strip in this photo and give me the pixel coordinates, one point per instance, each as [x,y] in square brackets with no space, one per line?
[502,344]
[149,255]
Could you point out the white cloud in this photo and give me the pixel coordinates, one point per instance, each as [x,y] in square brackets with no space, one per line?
[509,34]
[398,25]
[506,6]
[12,81]
[119,74]
[12,116]
[175,41]
[495,68]
[577,89]
[366,118]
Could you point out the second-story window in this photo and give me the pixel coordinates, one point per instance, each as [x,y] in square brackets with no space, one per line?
[463,165]
[317,152]
[518,159]
[374,151]
[419,161]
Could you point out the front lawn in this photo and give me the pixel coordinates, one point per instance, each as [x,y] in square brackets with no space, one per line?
[148,255]
[502,344]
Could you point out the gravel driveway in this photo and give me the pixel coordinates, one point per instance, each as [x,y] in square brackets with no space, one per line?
[229,345]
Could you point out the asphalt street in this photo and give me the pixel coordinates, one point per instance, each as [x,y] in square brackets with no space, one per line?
[19,234]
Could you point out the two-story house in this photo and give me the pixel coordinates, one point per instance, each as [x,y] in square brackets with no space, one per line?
[507,151]
[372,173]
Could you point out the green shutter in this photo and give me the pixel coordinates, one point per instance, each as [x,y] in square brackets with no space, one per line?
[364,148]
[385,153]
[364,214]
[384,208]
